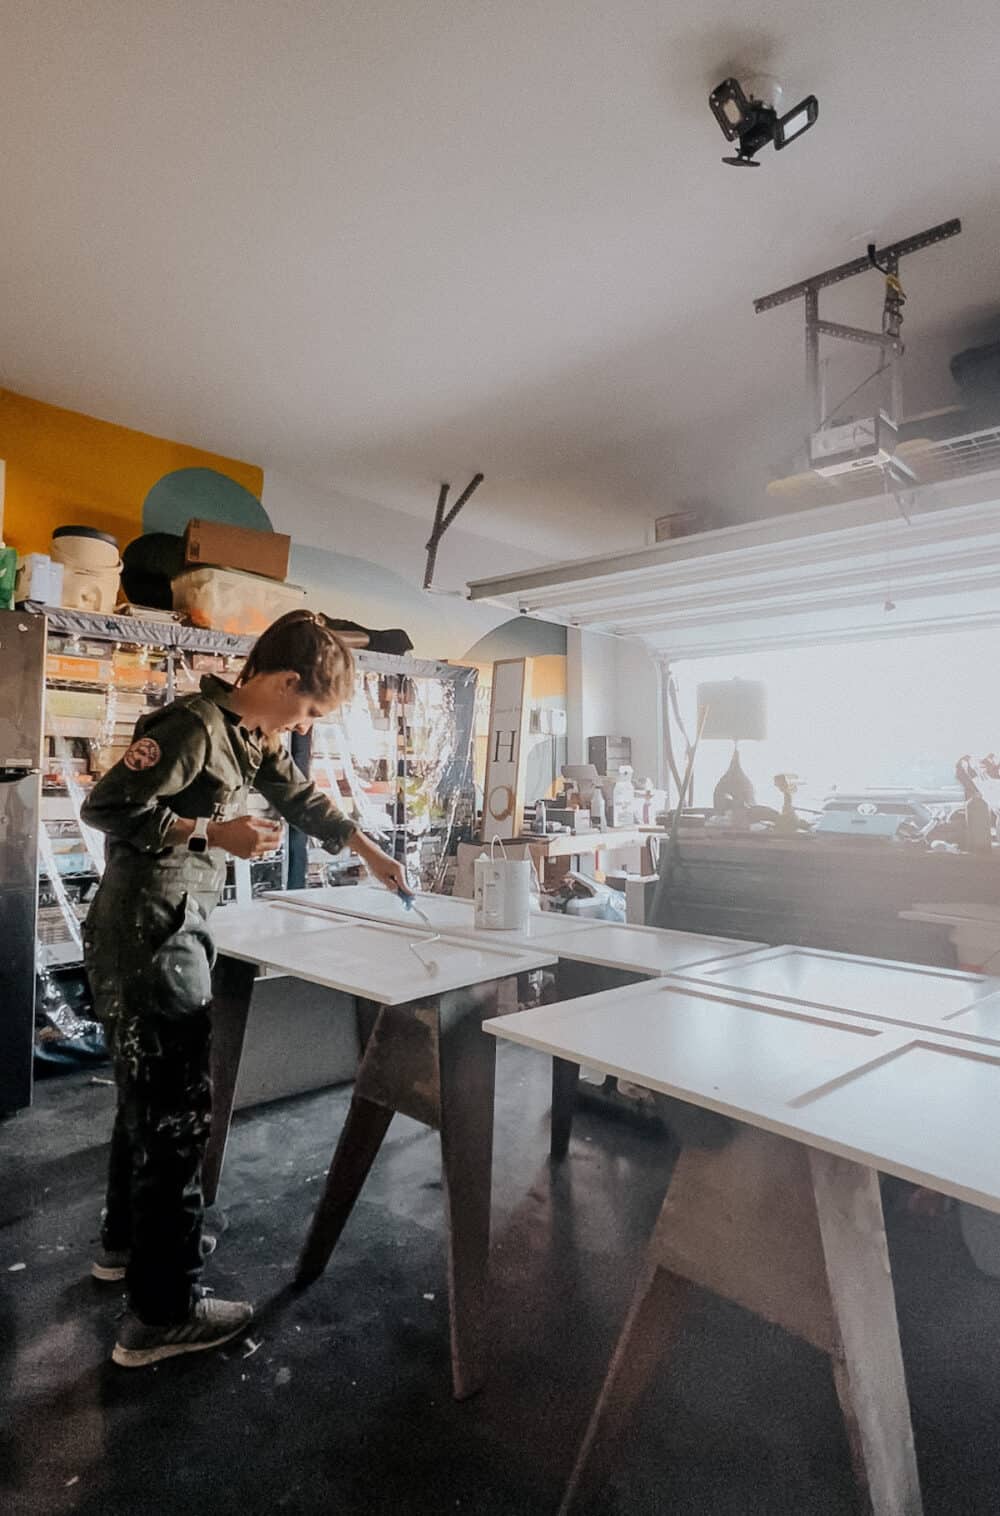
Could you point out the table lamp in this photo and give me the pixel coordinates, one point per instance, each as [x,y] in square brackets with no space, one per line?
[733,710]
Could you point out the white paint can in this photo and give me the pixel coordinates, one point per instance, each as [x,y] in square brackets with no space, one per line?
[502,891]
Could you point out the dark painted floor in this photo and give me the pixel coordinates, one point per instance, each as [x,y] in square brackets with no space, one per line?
[345,1404]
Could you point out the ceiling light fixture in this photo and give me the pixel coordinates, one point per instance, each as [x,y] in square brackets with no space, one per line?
[753,123]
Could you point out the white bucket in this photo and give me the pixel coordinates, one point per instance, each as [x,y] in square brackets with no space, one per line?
[91,567]
[502,891]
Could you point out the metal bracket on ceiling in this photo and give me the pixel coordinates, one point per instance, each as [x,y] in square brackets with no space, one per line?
[886,261]
[442,522]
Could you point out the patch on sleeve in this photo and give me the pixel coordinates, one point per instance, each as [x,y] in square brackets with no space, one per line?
[143,754]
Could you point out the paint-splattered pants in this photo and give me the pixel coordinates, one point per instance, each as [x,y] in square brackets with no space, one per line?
[148,958]
[154,1200]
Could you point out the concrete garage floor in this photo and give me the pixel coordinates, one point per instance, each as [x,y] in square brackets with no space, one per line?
[345,1406]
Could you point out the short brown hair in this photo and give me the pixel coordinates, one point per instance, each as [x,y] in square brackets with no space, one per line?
[301,643]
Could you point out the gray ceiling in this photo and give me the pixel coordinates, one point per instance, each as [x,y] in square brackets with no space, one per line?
[379,244]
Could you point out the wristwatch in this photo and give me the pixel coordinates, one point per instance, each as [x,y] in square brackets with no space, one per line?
[198,839]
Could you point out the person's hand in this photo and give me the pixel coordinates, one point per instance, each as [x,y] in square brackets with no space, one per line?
[245,836]
[388,871]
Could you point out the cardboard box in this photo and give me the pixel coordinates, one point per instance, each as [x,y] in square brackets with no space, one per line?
[83,670]
[212,544]
[90,704]
[73,726]
[138,678]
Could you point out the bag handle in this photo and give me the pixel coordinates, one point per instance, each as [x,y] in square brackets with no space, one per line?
[503,850]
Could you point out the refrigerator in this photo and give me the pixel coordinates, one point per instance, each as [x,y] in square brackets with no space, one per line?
[22,685]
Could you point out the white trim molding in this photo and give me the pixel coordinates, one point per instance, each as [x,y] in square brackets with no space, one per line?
[873,568]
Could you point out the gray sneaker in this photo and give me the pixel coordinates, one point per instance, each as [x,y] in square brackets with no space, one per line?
[110,1264]
[211,1323]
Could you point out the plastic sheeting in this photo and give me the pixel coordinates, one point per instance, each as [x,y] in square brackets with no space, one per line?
[47,859]
[76,793]
[398,757]
[439,721]
[63,1037]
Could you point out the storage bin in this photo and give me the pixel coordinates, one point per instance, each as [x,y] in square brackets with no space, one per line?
[225,600]
[40,579]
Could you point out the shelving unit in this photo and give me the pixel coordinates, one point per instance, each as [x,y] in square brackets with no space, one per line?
[102,673]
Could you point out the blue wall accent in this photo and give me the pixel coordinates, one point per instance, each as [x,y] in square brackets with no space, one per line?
[204,494]
[522,637]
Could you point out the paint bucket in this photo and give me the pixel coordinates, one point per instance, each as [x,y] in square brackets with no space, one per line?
[502,891]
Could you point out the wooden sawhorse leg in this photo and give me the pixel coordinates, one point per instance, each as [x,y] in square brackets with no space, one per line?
[435,1064]
[231,993]
[572,981]
[796,1236]
[565,1078]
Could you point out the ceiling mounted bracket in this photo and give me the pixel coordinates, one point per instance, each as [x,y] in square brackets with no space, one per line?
[886,261]
[442,522]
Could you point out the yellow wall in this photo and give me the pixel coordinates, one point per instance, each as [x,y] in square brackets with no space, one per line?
[548,678]
[64,468]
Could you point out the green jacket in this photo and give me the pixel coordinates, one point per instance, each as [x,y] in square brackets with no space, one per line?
[146,942]
[193,758]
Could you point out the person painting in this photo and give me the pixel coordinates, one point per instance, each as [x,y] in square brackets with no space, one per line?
[172,808]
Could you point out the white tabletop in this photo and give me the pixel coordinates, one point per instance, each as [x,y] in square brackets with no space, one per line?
[634,949]
[653,951]
[371,902]
[367,959]
[449,914]
[921,1105]
[910,994]
[235,921]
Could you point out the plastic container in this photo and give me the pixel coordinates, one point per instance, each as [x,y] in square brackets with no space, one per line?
[39,579]
[91,567]
[224,600]
[8,574]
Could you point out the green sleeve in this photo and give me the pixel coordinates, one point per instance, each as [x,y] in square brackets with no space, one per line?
[301,802]
[167,754]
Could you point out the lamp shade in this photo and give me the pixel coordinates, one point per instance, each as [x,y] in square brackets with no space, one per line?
[736,710]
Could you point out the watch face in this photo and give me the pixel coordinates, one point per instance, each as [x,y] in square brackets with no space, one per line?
[198,844]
